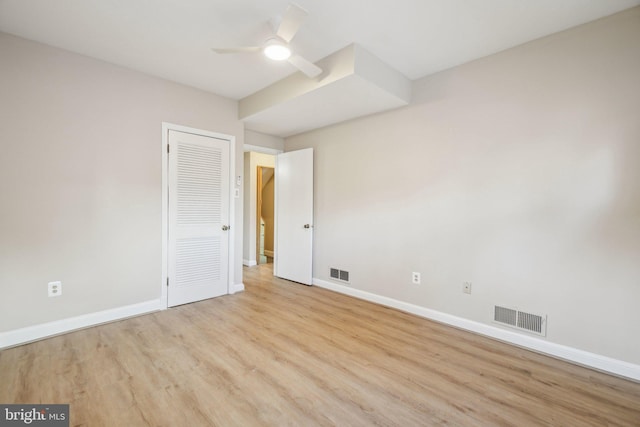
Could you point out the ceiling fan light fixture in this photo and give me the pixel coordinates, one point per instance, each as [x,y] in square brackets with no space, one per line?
[277,51]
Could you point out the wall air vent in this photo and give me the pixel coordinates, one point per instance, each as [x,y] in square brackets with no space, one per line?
[534,323]
[340,275]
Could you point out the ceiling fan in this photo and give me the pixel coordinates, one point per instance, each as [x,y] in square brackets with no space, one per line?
[277,46]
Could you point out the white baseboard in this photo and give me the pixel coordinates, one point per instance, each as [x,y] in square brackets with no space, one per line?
[580,357]
[238,287]
[249,263]
[44,330]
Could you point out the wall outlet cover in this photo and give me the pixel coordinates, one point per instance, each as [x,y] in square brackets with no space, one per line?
[466,287]
[54,289]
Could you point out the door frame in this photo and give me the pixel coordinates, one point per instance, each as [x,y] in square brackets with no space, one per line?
[249,225]
[166,127]
[258,211]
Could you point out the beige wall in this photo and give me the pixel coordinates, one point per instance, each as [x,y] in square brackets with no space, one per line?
[263,140]
[80,180]
[519,172]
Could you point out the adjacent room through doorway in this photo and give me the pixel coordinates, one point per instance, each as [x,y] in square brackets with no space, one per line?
[265,214]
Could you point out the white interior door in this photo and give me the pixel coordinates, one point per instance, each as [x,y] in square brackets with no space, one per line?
[294,216]
[198,240]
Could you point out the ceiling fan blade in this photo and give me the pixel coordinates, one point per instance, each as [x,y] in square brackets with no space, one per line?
[249,49]
[293,18]
[307,67]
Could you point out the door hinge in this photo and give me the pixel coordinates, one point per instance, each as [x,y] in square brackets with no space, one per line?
[167,281]
[167,148]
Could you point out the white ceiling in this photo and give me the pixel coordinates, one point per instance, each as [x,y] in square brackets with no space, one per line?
[172,39]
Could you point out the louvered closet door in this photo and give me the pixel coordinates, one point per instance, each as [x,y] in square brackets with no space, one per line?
[198,212]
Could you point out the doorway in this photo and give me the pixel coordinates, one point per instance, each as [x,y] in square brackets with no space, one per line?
[252,218]
[265,214]
[293,230]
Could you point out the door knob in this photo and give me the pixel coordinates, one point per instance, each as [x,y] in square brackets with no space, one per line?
[225,227]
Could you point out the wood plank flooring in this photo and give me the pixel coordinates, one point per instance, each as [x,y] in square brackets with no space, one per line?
[285,354]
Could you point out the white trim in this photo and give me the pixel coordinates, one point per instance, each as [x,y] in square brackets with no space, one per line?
[275,223]
[45,330]
[166,127]
[238,287]
[249,262]
[259,149]
[580,357]
[164,296]
[232,214]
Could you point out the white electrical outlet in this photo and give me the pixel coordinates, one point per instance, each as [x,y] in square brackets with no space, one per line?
[466,287]
[415,278]
[55,289]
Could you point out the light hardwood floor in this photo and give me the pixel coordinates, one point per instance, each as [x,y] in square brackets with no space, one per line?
[286,354]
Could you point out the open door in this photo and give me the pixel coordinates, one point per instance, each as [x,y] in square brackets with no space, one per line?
[294,216]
